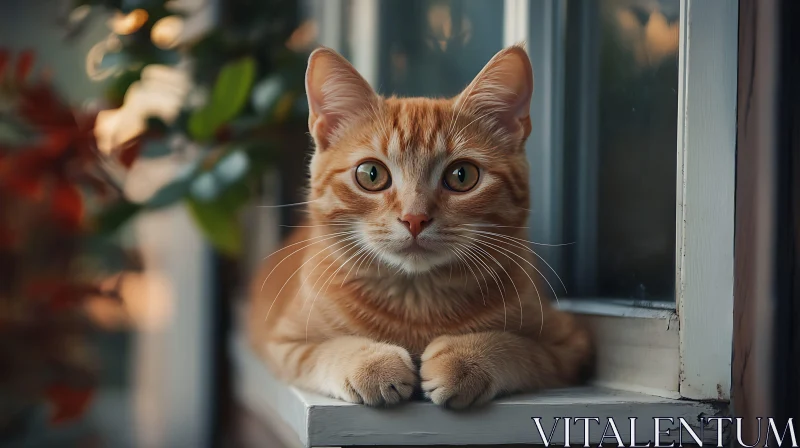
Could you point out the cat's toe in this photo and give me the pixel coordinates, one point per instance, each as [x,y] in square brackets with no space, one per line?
[454,382]
[384,377]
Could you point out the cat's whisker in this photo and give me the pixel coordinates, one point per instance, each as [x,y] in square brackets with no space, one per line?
[516,238]
[461,271]
[519,298]
[360,249]
[459,264]
[354,240]
[503,296]
[497,281]
[376,110]
[327,237]
[277,296]
[374,257]
[503,249]
[464,129]
[480,288]
[466,254]
[301,242]
[522,246]
[538,296]
[287,205]
[381,252]
[317,225]
[379,259]
[457,111]
[363,252]
[370,252]
[328,281]
[491,271]
[341,240]
[494,225]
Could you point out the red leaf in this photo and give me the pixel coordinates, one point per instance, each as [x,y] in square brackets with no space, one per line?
[68,204]
[7,237]
[68,402]
[57,141]
[130,152]
[5,57]
[24,65]
[59,294]
[28,187]
[41,106]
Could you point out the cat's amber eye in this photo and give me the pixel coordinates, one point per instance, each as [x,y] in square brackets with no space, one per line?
[461,176]
[373,176]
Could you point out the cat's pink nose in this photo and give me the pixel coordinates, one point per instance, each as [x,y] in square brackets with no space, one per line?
[415,223]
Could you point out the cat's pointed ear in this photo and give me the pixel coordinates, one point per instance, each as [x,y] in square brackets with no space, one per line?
[502,91]
[336,94]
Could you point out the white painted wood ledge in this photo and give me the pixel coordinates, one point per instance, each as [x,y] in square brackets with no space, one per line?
[317,421]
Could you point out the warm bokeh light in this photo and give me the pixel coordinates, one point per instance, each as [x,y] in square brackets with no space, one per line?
[662,38]
[440,23]
[78,14]
[96,69]
[652,42]
[107,313]
[166,33]
[148,299]
[146,304]
[304,36]
[160,93]
[124,24]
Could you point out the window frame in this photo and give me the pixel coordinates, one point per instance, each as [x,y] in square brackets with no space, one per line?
[700,366]
[675,353]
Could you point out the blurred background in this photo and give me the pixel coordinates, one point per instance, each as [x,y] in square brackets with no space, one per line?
[145,143]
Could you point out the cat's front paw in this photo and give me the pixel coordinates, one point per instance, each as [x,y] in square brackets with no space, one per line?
[380,374]
[455,374]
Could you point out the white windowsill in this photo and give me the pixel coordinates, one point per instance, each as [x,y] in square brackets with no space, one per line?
[317,421]
[602,307]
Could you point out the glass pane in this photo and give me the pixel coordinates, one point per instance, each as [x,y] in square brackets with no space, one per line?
[436,47]
[620,134]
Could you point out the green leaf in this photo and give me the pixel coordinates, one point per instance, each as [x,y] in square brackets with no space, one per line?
[228,97]
[235,196]
[232,167]
[201,125]
[261,154]
[218,224]
[115,216]
[205,187]
[118,86]
[232,88]
[169,194]
[104,255]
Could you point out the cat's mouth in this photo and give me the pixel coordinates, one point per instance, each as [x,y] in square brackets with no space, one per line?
[416,255]
[414,248]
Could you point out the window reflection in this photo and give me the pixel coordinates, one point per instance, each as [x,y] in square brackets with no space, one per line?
[620,146]
[435,47]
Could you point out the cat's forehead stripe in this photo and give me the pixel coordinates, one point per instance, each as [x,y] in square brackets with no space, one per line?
[393,147]
[418,124]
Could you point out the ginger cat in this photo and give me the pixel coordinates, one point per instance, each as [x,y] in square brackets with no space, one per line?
[413,270]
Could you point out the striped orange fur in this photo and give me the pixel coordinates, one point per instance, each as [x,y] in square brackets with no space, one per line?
[415,286]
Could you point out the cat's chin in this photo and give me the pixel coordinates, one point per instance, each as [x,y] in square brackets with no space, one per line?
[416,261]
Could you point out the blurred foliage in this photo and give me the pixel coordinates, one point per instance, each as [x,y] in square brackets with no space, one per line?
[51,181]
[64,199]
[247,70]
